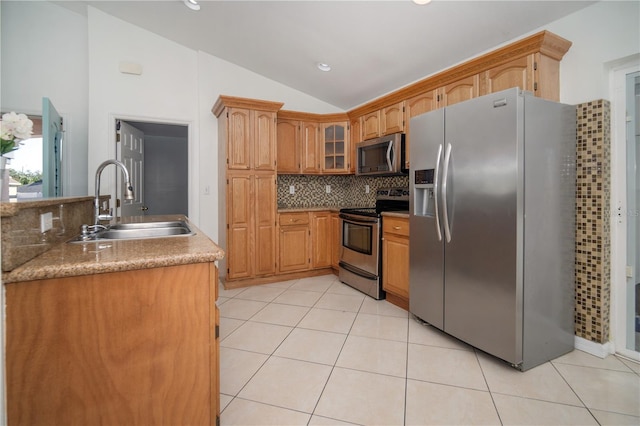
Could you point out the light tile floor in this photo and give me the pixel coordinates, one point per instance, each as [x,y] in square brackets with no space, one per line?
[317,352]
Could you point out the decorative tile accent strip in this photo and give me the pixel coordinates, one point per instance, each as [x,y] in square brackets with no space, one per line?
[346,190]
[593,230]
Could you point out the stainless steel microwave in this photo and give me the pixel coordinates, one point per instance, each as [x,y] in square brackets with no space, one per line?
[383,156]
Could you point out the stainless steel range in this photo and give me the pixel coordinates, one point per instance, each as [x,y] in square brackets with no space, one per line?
[360,251]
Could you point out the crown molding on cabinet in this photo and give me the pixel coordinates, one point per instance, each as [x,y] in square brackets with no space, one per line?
[309,116]
[544,42]
[235,102]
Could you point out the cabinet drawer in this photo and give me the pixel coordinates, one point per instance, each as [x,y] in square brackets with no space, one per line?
[395,225]
[287,219]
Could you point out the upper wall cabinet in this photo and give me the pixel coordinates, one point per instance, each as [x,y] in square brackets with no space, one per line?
[371,125]
[355,136]
[532,64]
[515,73]
[336,148]
[298,147]
[311,147]
[383,122]
[288,146]
[415,106]
[459,91]
[313,143]
[392,119]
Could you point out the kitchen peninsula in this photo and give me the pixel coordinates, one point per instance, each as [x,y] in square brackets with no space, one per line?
[106,332]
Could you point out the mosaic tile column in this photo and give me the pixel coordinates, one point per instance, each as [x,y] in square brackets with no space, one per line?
[593,229]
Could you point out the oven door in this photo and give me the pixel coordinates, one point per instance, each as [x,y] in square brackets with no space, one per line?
[360,242]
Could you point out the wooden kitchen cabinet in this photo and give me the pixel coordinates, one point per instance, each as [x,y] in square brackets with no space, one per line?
[299,147]
[306,241]
[535,73]
[289,146]
[395,260]
[240,219]
[385,121]
[321,238]
[371,125]
[310,140]
[313,143]
[247,135]
[355,136]
[392,119]
[336,240]
[251,139]
[294,242]
[516,73]
[335,144]
[251,233]
[239,139]
[458,91]
[131,347]
[415,106]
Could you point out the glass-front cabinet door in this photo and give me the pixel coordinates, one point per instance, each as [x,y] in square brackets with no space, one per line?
[335,146]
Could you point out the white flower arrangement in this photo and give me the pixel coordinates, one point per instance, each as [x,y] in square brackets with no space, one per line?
[13,129]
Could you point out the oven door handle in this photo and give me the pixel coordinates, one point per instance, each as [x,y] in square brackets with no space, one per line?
[358,219]
[360,272]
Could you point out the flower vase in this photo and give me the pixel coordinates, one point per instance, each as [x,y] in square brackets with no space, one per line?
[4,179]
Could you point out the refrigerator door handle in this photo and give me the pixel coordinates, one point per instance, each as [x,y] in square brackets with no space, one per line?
[445,176]
[389,151]
[436,188]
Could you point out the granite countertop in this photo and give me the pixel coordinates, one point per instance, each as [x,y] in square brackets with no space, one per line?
[403,214]
[95,257]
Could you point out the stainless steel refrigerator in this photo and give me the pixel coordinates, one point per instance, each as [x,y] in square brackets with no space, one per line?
[492,193]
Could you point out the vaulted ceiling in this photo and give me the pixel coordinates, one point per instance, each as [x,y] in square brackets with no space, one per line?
[373,47]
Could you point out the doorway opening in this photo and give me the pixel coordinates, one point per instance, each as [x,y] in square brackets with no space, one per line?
[156,155]
[625,207]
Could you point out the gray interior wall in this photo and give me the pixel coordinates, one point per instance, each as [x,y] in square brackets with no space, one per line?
[166,175]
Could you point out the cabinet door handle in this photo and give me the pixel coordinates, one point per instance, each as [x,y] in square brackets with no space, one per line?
[397,227]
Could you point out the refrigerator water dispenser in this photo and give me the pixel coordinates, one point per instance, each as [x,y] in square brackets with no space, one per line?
[423,196]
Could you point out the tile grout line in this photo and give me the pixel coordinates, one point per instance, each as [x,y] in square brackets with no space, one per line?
[333,367]
[574,392]
[486,382]
[265,361]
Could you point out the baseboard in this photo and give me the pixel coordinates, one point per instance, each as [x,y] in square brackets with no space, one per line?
[596,349]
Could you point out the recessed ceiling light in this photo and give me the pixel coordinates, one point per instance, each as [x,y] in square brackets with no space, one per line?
[192,4]
[421,2]
[324,67]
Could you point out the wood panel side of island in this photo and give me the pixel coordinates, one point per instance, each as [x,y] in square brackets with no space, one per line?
[134,347]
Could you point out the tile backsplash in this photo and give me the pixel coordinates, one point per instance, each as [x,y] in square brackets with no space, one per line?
[346,190]
[593,229]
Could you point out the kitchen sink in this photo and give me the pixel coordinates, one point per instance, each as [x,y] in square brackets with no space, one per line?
[141,230]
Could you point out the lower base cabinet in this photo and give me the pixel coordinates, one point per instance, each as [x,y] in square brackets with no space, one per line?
[136,347]
[305,242]
[294,242]
[395,259]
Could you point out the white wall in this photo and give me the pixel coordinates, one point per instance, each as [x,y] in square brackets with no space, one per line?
[166,91]
[44,50]
[601,34]
[177,85]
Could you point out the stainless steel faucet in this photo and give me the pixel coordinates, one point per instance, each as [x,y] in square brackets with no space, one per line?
[128,191]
